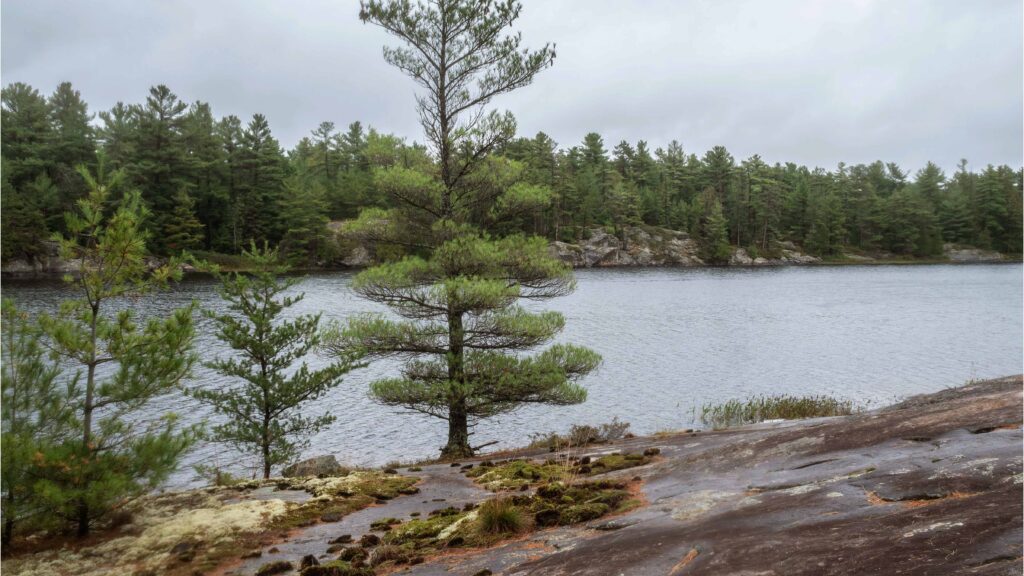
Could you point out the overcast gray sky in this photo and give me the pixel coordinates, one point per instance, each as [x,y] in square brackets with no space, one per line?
[815,82]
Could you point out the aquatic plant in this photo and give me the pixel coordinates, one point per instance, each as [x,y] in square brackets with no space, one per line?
[782,406]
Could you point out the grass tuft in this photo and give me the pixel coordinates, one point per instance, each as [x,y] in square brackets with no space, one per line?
[782,406]
[500,516]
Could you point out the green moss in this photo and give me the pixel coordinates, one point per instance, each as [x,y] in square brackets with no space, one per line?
[278,567]
[554,503]
[384,523]
[612,462]
[420,530]
[310,512]
[336,568]
[583,512]
[516,474]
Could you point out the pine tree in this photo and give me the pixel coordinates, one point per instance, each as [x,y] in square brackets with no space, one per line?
[182,230]
[304,216]
[262,166]
[229,131]
[23,222]
[990,208]
[107,459]
[32,409]
[159,164]
[459,326]
[118,135]
[827,230]
[714,235]
[206,172]
[263,410]
[25,135]
[72,142]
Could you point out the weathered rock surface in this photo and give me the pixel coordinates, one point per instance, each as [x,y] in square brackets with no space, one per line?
[956,253]
[316,466]
[929,486]
[639,246]
[653,246]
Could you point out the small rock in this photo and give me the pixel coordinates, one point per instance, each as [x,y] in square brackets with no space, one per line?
[317,466]
[307,561]
[484,572]
[273,550]
[184,552]
[343,539]
[332,517]
[352,554]
[652,451]
[390,471]
[455,465]
[369,540]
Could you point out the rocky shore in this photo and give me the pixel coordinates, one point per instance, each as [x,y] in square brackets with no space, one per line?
[932,485]
[636,246]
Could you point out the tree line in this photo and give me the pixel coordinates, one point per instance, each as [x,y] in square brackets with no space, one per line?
[215,184]
[211,184]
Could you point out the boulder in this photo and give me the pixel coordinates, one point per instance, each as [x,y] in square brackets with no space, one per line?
[316,466]
[740,258]
[958,253]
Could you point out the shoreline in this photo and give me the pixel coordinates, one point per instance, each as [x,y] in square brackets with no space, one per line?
[932,473]
[56,275]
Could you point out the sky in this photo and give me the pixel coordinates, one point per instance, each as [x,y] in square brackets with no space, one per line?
[814,82]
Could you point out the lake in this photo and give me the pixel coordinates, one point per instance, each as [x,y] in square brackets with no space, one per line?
[672,340]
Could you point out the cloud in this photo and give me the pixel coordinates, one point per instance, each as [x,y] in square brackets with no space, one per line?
[810,81]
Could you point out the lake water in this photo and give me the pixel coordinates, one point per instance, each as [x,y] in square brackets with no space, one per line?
[672,340]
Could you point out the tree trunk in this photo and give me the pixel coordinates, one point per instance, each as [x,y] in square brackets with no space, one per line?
[266,462]
[458,433]
[90,390]
[8,532]
[458,417]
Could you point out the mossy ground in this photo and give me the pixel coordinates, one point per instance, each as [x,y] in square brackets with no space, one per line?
[519,474]
[191,532]
[553,504]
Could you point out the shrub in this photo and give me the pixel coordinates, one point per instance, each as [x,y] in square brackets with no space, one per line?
[500,516]
[581,435]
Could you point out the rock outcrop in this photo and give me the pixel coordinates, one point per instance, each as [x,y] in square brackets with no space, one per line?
[929,486]
[639,246]
[653,246]
[957,253]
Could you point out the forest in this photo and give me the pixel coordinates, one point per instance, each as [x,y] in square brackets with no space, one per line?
[213,184]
